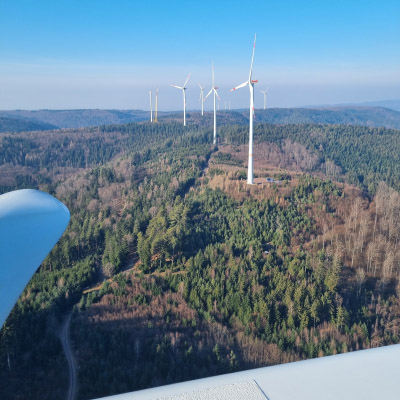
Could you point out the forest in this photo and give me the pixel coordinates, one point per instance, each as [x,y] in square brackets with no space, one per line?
[372,116]
[174,268]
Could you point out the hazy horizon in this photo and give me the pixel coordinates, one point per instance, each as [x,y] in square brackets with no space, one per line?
[92,55]
[375,103]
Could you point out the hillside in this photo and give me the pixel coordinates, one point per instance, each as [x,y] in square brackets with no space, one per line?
[176,269]
[22,125]
[392,104]
[78,118]
[363,116]
[360,116]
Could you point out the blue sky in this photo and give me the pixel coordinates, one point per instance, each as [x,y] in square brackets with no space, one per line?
[108,54]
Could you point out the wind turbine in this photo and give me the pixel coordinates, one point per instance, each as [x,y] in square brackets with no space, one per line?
[265,97]
[201,99]
[214,90]
[183,88]
[250,83]
[155,119]
[151,108]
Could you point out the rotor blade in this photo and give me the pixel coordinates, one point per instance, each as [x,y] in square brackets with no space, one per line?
[240,86]
[217,94]
[252,58]
[208,94]
[178,87]
[213,80]
[187,80]
[201,88]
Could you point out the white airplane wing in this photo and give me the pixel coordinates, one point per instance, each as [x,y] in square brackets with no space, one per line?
[31,222]
[368,375]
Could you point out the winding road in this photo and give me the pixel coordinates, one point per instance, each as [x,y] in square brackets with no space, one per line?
[64,337]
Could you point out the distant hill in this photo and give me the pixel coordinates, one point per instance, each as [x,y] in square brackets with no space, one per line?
[194,117]
[392,104]
[22,125]
[78,118]
[363,116]
[345,115]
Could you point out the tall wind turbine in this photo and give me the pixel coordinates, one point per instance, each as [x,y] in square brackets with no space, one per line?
[250,83]
[265,97]
[183,88]
[151,108]
[201,99]
[155,119]
[214,90]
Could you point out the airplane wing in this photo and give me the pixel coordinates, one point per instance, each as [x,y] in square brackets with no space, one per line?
[31,222]
[366,374]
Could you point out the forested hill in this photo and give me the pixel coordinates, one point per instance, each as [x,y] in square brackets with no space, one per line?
[175,269]
[364,116]
[22,125]
[362,156]
[392,104]
[78,118]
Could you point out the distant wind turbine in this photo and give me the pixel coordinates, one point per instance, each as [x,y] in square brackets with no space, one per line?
[201,99]
[250,83]
[183,88]
[265,97]
[155,119]
[214,90]
[151,108]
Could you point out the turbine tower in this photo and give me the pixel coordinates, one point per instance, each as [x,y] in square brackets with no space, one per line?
[214,90]
[183,88]
[155,119]
[265,97]
[250,83]
[201,99]
[151,108]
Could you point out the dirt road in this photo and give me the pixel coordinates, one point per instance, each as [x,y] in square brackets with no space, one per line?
[64,337]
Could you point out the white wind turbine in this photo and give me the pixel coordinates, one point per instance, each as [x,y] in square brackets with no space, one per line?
[250,83]
[151,108]
[214,90]
[201,99]
[183,88]
[264,92]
